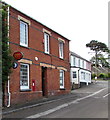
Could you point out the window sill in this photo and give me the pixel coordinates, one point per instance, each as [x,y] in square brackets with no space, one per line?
[61,58]
[62,88]
[47,54]
[26,90]
[24,46]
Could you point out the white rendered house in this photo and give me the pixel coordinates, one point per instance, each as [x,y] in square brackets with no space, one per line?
[80,70]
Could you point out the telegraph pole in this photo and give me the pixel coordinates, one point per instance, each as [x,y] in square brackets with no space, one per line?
[96,63]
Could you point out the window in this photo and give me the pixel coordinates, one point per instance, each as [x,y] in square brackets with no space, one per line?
[61,79]
[24,76]
[74,74]
[74,61]
[61,49]
[46,43]
[82,63]
[83,75]
[23,34]
[79,62]
[71,60]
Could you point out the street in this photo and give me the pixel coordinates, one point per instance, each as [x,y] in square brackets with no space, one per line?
[87,102]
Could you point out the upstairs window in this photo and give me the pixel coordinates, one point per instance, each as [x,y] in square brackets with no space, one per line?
[23,34]
[83,64]
[46,43]
[61,46]
[79,62]
[74,61]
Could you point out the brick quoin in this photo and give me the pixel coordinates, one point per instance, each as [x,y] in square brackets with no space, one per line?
[36,49]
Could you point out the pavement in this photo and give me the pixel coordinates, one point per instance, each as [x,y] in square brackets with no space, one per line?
[39,102]
[42,101]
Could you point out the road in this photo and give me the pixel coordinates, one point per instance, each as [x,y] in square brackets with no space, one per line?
[87,102]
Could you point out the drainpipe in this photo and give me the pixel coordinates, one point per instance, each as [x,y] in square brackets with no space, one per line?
[9,94]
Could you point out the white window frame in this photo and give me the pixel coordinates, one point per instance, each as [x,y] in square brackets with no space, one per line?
[21,86]
[74,74]
[82,63]
[24,41]
[46,43]
[62,85]
[61,49]
[74,61]
[79,63]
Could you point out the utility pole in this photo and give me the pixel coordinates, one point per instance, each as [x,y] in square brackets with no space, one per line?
[96,65]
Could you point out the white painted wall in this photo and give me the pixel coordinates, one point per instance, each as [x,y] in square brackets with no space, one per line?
[84,76]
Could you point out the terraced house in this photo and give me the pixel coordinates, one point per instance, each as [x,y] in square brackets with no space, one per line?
[44,69]
[80,70]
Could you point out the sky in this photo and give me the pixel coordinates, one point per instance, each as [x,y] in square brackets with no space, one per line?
[78,20]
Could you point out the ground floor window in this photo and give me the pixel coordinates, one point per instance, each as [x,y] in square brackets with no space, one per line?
[24,76]
[83,75]
[74,74]
[61,79]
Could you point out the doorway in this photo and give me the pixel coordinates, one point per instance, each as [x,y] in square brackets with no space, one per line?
[44,81]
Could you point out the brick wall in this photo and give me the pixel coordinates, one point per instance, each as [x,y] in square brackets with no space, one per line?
[36,49]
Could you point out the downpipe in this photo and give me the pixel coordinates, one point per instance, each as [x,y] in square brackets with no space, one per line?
[9,94]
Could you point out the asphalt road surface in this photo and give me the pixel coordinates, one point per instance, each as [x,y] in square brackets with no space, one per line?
[87,102]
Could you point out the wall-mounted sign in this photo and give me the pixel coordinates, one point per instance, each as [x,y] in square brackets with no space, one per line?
[15,65]
[18,55]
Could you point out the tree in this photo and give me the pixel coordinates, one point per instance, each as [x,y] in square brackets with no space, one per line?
[6,53]
[97,47]
[102,61]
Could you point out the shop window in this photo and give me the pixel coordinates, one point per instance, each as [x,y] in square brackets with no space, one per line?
[24,76]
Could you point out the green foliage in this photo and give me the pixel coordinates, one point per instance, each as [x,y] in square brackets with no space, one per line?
[108,75]
[102,61]
[93,75]
[104,76]
[97,46]
[6,54]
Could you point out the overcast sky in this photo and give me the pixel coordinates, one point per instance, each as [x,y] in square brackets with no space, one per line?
[79,20]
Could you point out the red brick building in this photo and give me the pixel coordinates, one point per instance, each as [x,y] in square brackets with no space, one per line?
[44,69]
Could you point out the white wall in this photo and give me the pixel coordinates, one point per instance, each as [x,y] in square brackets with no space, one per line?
[85,77]
[82,75]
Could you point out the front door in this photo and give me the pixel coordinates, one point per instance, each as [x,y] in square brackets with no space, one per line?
[44,81]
